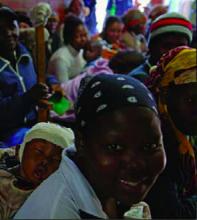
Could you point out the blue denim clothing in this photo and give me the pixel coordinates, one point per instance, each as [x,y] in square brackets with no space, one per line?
[16,108]
[141,72]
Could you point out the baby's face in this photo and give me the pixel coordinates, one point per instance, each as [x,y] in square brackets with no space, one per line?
[9,33]
[92,51]
[40,159]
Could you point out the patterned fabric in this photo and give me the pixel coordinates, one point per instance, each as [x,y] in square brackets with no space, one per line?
[176,60]
[104,93]
[172,70]
[11,198]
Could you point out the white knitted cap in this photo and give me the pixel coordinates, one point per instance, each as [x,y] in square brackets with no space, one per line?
[40,13]
[60,136]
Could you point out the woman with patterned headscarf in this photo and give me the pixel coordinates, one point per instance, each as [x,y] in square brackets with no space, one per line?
[118,157]
[174,83]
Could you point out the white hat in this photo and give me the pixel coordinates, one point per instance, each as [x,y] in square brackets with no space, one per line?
[40,13]
[60,136]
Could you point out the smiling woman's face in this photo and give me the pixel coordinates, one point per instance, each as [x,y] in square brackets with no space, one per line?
[114,32]
[123,154]
[9,33]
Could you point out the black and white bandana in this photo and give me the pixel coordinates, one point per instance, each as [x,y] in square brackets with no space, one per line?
[106,93]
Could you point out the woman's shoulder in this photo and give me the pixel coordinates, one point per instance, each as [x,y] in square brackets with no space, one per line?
[60,53]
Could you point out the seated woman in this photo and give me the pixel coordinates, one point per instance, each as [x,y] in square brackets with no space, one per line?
[110,36]
[119,154]
[174,83]
[95,64]
[39,155]
[67,62]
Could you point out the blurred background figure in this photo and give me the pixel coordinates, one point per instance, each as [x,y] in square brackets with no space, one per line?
[91,20]
[154,12]
[174,84]
[67,62]
[133,37]
[168,31]
[39,14]
[118,7]
[125,61]
[24,20]
[110,37]
[20,94]
[54,41]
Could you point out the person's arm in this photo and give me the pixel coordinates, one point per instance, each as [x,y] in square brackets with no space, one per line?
[13,108]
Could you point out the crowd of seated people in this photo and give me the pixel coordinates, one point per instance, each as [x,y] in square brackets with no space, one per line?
[119,136]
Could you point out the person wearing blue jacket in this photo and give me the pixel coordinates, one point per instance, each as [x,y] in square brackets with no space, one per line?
[19,91]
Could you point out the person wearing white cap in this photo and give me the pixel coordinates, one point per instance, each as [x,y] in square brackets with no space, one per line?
[39,155]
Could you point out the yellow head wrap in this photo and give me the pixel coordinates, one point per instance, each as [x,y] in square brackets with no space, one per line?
[177,67]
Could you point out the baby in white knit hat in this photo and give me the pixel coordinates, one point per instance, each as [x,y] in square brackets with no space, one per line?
[40,152]
[39,155]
